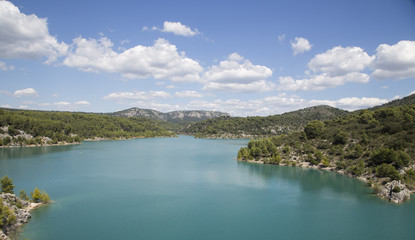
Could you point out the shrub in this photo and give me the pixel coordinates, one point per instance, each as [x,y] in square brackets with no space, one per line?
[396,189]
[386,170]
[314,129]
[340,138]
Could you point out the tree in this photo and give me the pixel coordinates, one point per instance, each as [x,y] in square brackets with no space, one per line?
[7,185]
[36,195]
[314,128]
[23,195]
[386,170]
[40,196]
[340,138]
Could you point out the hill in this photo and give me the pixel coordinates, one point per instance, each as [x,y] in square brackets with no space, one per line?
[408,100]
[375,145]
[172,117]
[254,127]
[25,127]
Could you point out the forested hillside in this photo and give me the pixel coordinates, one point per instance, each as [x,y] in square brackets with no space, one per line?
[42,127]
[254,127]
[377,146]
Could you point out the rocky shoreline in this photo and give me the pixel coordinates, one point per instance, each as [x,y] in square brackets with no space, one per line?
[20,208]
[393,191]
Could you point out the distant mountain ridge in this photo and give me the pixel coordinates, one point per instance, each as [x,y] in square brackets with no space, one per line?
[173,117]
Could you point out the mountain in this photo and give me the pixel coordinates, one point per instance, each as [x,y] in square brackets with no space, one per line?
[173,117]
[253,127]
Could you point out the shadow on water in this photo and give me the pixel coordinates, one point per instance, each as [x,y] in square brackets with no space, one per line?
[25,152]
[309,180]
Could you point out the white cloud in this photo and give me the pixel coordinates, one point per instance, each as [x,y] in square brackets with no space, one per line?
[281,37]
[179,29]
[62,104]
[340,61]
[335,67]
[188,94]
[27,92]
[300,45]
[257,86]
[237,74]
[5,67]
[160,61]
[320,82]
[82,103]
[26,36]
[351,103]
[142,95]
[396,61]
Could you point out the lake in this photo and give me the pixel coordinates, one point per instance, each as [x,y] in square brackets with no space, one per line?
[186,188]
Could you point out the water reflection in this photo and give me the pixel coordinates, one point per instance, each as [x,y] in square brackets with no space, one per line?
[25,152]
[309,180]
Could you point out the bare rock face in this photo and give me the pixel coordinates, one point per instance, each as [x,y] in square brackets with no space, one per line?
[3,236]
[18,207]
[395,192]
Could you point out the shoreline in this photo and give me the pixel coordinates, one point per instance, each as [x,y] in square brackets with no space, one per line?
[97,139]
[368,182]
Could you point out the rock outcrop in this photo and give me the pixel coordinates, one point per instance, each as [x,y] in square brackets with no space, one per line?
[19,208]
[3,236]
[173,117]
[395,192]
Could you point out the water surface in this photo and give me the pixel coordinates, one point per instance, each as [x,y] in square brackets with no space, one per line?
[186,188]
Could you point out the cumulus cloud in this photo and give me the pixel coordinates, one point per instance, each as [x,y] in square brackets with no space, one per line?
[26,36]
[179,29]
[320,82]
[138,95]
[188,94]
[160,61]
[63,105]
[257,86]
[335,67]
[300,45]
[340,61]
[395,62]
[82,103]
[27,92]
[237,74]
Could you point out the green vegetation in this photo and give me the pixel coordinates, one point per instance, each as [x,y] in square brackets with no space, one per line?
[40,196]
[7,185]
[378,145]
[10,204]
[55,127]
[7,216]
[254,127]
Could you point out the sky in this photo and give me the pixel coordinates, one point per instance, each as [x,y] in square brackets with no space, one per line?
[246,58]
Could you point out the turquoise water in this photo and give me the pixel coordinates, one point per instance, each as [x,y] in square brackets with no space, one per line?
[186,188]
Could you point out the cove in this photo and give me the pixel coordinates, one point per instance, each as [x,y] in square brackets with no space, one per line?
[186,188]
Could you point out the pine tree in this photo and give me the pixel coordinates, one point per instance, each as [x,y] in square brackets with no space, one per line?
[7,185]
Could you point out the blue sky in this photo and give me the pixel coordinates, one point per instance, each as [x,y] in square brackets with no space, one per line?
[242,57]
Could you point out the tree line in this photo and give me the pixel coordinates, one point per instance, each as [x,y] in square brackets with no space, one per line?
[72,127]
